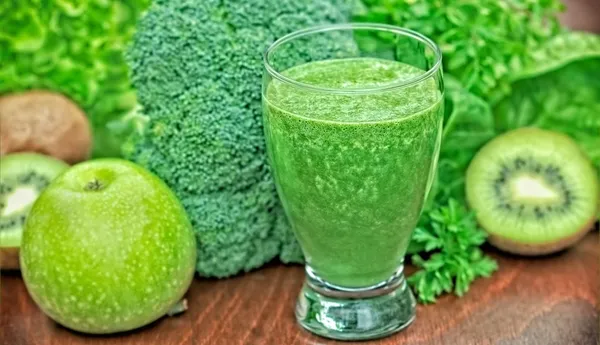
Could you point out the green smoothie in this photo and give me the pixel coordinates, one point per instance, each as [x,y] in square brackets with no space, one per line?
[352,168]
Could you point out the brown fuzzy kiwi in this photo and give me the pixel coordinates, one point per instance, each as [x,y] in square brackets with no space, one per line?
[44,122]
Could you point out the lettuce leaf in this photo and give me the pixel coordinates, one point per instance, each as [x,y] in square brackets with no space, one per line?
[558,90]
[468,125]
[75,48]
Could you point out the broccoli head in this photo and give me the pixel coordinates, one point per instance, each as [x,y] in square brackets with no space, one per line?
[197,68]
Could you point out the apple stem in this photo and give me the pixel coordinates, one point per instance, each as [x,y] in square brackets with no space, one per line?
[94,185]
[178,308]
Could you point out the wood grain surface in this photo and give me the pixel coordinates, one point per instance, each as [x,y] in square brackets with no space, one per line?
[542,301]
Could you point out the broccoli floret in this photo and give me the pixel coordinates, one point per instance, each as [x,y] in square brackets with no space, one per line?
[197,67]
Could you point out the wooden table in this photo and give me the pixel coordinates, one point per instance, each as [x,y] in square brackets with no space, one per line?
[542,301]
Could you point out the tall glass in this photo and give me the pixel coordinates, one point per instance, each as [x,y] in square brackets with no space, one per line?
[353,127]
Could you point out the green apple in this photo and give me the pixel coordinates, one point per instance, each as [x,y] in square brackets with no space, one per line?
[107,247]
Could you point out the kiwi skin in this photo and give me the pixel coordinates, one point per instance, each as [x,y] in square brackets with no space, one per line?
[555,149]
[525,249]
[44,122]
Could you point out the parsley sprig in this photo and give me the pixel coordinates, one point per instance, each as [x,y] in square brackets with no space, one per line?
[446,249]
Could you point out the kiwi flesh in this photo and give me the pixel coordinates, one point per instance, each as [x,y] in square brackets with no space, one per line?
[23,176]
[534,191]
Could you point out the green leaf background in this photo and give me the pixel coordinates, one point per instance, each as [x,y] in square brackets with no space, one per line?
[74,47]
[483,41]
[507,64]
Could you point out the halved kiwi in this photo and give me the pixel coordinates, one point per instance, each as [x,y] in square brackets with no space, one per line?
[534,191]
[22,178]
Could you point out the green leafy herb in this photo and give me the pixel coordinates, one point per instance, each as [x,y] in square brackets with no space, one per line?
[445,248]
[75,48]
[483,41]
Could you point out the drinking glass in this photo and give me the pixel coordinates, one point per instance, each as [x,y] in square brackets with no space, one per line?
[353,121]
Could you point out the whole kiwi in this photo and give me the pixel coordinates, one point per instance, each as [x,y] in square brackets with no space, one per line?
[534,191]
[44,122]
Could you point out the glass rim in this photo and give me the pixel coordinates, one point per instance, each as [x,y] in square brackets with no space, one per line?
[352,26]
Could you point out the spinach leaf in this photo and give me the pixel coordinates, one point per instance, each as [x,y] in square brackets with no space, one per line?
[468,125]
[560,90]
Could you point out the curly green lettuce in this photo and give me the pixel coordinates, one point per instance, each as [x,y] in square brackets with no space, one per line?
[75,48]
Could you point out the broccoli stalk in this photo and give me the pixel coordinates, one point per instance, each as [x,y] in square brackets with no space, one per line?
[197,67]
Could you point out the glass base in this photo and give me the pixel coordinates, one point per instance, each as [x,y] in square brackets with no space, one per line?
[355,314]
